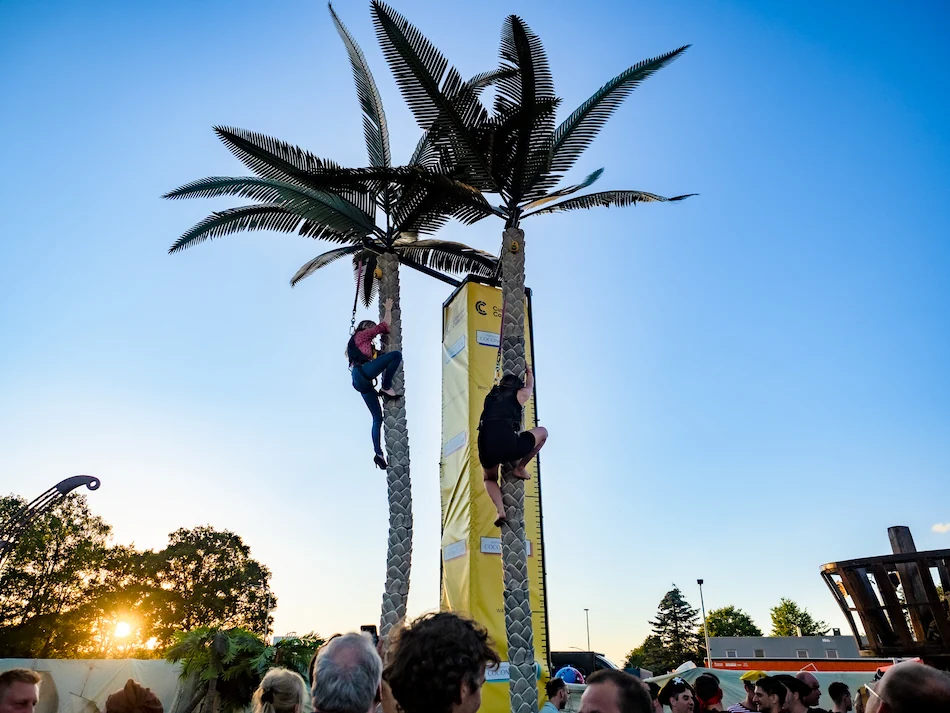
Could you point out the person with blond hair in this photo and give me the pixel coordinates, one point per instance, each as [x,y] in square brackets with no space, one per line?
[281,691]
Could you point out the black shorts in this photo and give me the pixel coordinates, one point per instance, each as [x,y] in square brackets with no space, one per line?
[499,444]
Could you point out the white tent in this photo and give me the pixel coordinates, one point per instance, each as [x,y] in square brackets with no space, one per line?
[82,685]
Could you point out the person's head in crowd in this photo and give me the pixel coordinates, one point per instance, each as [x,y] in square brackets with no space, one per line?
[769,695]
[909,687]
[558,693]
[615,691]
[678,695]
[841,697]
[654,695]
[795,692]
[19,690]
[313,659]
[133,698]
[708,692]
[281,691]
[437,664]
[814,688]
[748,682]
[347,675]
[861,699]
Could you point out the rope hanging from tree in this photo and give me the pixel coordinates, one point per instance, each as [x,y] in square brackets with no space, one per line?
[356,297]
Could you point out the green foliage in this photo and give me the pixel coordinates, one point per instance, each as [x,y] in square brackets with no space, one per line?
[293,652]
[729,621]
[64,587]
[675,626]
[224,659]
[651,655]
[788,619]
[55,582]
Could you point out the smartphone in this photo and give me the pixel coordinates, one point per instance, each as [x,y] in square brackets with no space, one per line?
[371,630]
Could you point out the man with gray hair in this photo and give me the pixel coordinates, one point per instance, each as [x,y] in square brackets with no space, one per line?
[347,676]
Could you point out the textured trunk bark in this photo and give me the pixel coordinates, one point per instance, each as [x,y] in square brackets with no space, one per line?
[523,690]
[399,554]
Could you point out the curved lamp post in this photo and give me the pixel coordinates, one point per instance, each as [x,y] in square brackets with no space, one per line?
[11,529]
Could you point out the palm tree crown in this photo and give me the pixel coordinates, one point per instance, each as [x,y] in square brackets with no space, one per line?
[516,151]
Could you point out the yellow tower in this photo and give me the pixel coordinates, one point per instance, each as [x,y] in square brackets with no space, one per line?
[471,544]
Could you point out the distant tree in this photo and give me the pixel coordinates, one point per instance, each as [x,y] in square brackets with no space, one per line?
[729,621]
[52,571]
[650,655]
[675,626]
[788,619]
[207,578]
[64,588]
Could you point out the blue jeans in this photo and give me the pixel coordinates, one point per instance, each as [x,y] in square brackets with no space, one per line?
[385,364]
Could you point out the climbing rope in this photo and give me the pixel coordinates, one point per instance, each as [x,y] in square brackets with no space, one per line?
[356,297]
[501,329]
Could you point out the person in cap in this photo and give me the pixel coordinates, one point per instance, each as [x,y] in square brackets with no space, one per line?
[708,692]
[500,438]
[797,691]
[747,704]
[678,695]
[910,687]
[814,691]
[770,695]
[841,697]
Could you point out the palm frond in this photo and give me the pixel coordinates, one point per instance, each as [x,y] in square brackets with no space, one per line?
[375,130]
[562,192]
[272,158]
[443,104]
[322,261]
[576,133]
[426,203]
[327,208]
[527,98]
[369,285]
[607,199]
[264,216]
[448,256]
[427,151]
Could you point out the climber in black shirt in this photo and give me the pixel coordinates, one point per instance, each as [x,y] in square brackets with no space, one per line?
[500,438]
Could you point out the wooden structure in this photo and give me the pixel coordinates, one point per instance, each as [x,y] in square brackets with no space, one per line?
[897,600]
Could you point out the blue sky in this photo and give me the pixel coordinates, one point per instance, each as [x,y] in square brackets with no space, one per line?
[740,387]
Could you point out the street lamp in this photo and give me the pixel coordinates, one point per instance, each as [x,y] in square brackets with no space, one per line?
[587,619]
[705,624]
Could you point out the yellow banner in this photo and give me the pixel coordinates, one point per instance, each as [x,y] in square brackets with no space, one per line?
[471,544]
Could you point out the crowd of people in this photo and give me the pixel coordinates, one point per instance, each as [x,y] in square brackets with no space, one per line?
[437,664]
[908,687]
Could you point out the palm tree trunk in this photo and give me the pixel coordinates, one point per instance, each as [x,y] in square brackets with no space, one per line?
[523,691]
[399,554]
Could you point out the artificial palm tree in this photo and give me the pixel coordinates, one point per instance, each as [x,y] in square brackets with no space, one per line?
[518,153]
[299,192]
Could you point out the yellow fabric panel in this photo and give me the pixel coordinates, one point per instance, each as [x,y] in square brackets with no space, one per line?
[471,544]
